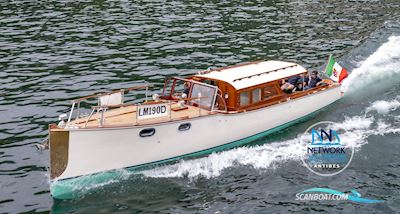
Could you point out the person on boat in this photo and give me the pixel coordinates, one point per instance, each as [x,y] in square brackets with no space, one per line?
[302,82]
[186,88]
[290,84]
[313,81]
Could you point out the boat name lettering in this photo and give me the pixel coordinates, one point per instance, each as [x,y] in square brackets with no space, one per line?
[152,111]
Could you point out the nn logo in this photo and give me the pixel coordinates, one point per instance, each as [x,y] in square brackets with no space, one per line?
[318,138]
[327,153]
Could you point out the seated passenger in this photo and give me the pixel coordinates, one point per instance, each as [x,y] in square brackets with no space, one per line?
[313,80]
[186,89]
[301,83]
[299,87]
[290,84]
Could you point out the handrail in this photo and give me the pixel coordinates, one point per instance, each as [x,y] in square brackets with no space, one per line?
[146,103]
[266,72]
[85,98]
[79,100]
[103,108]
[111,92]
[113,106]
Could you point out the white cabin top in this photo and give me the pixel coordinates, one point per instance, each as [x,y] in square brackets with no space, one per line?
[248,75]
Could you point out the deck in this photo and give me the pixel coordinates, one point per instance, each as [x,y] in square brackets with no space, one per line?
[127,116]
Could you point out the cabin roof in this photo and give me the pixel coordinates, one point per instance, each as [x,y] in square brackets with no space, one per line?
[243,76]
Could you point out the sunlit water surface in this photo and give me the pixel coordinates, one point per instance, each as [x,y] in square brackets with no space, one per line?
[52,52]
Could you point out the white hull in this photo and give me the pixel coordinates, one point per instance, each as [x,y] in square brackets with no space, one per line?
[97,150]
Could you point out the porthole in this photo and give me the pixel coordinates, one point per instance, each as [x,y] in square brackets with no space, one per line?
[147,132]
[184,127]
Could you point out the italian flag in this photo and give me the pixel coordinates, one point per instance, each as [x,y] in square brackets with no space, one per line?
[336,72]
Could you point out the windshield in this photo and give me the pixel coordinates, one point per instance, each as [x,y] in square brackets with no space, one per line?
[206,95]
[198,94]
[168,87]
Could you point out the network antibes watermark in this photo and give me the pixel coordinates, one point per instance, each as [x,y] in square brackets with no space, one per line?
[327,154]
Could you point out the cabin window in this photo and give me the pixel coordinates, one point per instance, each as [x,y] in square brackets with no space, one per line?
[269,91]
[244,98]
[256,95]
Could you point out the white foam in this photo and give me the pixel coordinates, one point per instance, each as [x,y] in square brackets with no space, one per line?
[384,107]
[269,155]
[356,130]
[355,123]
[382,64]
[264,156]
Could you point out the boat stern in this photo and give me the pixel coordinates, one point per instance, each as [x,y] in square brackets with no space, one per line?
[58,145]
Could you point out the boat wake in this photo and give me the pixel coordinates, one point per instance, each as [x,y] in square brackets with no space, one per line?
[381,66]
[384,107]
[272,155]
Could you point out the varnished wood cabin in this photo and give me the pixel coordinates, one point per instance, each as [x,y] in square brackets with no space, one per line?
[250,85]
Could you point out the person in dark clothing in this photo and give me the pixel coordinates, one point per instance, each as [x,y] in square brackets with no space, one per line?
[186,89]
[301,82]
[290,84]
[313,80]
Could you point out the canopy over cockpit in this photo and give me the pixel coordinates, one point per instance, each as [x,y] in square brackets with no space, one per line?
[248,75]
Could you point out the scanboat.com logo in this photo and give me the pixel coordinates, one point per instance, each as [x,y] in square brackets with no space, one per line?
[326,194]
[326,153]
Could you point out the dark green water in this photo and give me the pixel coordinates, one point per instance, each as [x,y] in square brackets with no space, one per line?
[54,51]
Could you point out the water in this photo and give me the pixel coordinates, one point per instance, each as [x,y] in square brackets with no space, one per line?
[52,52]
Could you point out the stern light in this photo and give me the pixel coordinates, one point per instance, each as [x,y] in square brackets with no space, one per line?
[61,118]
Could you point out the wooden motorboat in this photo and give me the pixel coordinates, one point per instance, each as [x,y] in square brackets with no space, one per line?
[211,111]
